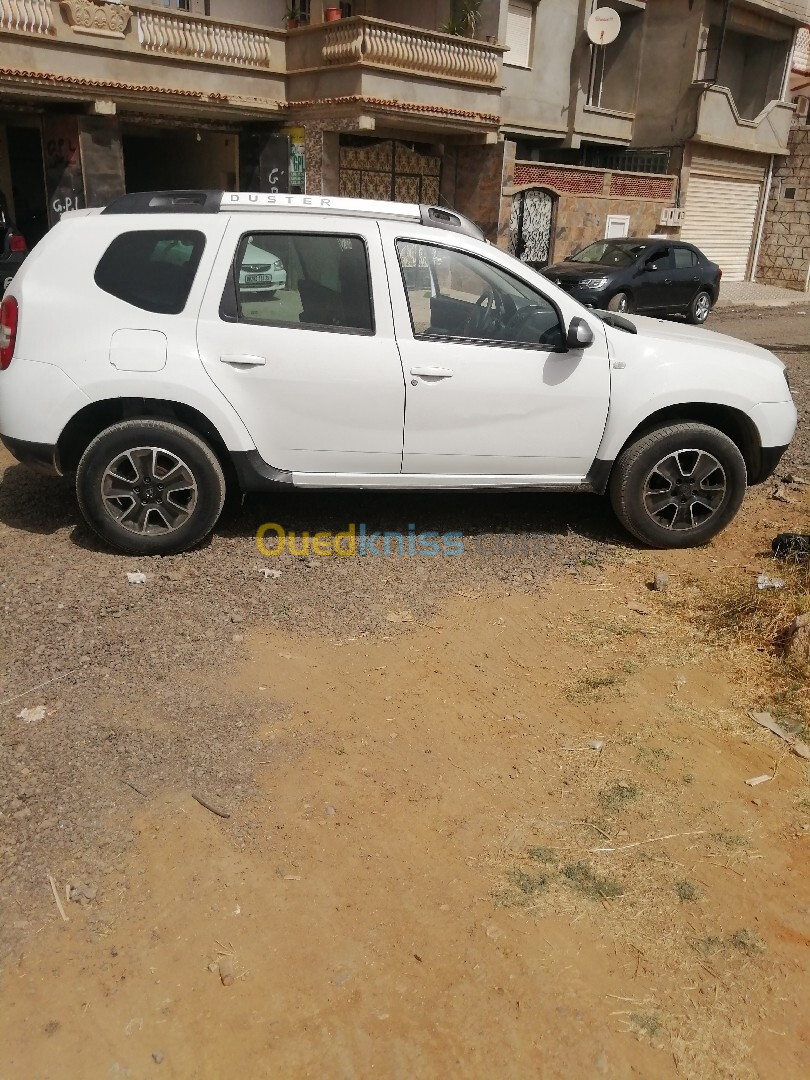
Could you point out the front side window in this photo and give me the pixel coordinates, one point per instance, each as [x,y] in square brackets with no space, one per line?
[150,269]
[304,280]
[661,259]
[452,294]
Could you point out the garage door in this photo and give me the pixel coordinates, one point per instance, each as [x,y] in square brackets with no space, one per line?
[720,219]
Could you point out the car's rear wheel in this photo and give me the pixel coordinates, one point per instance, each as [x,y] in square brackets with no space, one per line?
[700,307]
[621,302]
[678,486]
[150,487]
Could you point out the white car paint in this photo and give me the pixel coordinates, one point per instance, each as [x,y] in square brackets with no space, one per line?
[335,408]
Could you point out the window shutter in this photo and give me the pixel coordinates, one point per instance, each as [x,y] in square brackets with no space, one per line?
[519,22]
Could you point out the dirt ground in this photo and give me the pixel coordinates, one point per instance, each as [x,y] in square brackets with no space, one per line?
[487,813]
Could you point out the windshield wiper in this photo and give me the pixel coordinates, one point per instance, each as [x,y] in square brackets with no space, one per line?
[612,318]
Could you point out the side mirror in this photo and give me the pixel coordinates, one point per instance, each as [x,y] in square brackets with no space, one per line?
[579,335]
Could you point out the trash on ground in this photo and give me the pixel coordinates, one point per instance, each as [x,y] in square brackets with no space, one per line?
[136,578]
[779,493]
[756,780]
[764,719]
[31,716]
[765,582]
[226,970]
[785,544]
[269,575]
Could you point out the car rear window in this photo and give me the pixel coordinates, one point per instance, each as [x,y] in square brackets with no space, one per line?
[152,269]
[685,258]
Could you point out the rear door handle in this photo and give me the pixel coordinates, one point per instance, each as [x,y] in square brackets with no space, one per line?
[244,360]
[433,372]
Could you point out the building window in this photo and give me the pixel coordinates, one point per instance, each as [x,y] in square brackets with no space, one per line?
[790,193]
[519,33]
[617,225]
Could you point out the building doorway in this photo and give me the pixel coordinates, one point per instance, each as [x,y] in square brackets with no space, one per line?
[28,200]
[531,226]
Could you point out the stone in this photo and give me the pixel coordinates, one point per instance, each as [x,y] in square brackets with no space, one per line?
[661,581]
[798,640]
[157,1057]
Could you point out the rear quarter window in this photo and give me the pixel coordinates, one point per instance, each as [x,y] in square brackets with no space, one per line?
[152,269]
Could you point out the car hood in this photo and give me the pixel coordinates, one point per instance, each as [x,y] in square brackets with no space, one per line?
[575,271]
[668,334]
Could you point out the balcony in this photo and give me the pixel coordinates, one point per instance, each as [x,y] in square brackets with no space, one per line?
[719,122]
[371,58]
[82,49]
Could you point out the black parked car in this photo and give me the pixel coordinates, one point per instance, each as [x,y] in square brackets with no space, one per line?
[651,277]
[13,248]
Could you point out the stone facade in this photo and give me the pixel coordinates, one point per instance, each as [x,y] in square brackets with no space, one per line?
[579,220]
[474,180]
[784,256]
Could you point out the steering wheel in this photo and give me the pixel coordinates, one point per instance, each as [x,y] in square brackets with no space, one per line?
[484,313]
[515,326]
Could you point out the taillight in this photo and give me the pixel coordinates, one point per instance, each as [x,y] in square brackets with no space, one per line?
[9,317]
[719,274]
[17,244]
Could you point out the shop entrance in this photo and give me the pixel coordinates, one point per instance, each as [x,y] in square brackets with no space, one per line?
[26,172]
[157,159]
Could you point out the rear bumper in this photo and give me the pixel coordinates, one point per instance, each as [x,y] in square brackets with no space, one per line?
[41,457]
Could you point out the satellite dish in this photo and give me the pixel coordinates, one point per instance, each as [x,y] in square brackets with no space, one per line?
[604,26]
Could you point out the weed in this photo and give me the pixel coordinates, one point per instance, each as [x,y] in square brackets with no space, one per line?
[587,882]
[747,941]
[527,883]
[709,945]
[688,778]
[618,795]
[646,1023]
[654,758]
[730,839]
[687,891]
[542,854]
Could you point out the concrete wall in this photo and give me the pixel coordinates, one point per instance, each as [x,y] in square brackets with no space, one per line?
[538,99]
[666,106]
[784,256]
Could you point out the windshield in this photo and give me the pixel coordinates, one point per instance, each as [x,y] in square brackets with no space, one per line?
[608,253]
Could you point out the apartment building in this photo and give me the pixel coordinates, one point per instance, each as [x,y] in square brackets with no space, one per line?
[544,138]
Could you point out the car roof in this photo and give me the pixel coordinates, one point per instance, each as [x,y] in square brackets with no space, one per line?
[216,201]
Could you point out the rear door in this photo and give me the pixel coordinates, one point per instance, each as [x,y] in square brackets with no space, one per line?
[685,275]
[312,368]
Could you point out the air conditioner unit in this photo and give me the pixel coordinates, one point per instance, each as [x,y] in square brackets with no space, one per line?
[672,215]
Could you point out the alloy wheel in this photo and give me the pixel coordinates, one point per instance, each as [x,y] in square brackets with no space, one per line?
[149,491]
[685,489]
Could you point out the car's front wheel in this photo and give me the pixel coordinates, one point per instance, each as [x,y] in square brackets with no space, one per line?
[699,308]
[678,486]
[621,302]
[150,487]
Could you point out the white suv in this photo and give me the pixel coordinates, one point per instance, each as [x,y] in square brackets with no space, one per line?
[401,350]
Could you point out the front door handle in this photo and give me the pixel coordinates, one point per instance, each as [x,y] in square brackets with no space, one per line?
[433,372]
[244,360]
[667,280]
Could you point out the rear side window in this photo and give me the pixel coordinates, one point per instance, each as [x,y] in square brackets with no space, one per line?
[685,258]
[307,281]
[152,269]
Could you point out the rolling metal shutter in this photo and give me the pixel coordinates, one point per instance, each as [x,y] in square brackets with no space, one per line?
[519,22]
[721,215]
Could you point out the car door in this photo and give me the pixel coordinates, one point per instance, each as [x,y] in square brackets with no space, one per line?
[311,367]
[491,390]
[653,287]
[685,276]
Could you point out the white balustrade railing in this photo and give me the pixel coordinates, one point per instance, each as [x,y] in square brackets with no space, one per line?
[351,41]
[27,16]
[202,39]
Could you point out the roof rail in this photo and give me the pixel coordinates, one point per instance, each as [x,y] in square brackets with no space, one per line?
[166,202]
[212,201]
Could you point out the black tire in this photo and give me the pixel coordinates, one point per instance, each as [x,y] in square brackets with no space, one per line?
[622,302]
[145,519]
[656,506]
[700,307]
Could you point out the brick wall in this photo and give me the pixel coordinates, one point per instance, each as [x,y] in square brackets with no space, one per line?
[784,256]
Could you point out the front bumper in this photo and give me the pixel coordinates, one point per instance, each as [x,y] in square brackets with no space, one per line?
[41,457]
